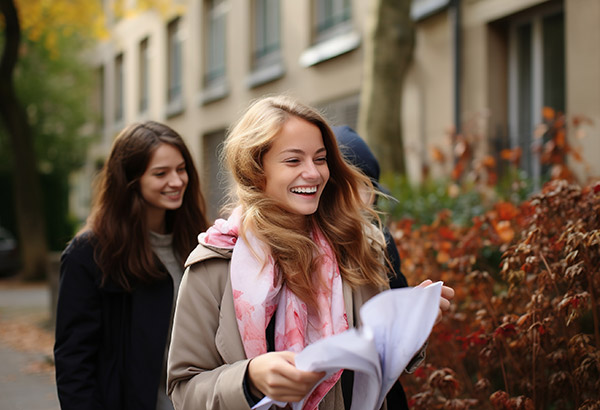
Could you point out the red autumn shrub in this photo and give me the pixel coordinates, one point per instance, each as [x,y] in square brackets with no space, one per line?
[524,329]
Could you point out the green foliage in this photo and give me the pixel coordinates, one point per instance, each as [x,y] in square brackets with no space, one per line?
[423,202]
[54,87]
[514,186]
[55,92]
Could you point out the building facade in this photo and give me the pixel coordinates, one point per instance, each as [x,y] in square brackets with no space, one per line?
[196,64]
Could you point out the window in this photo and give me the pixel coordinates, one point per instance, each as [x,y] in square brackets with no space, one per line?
[333,33]
[331,17]
[421,9]
[536,80]
[266,42]
[143,77]
[215,43]
[175,68]
[119,92]
[266,30]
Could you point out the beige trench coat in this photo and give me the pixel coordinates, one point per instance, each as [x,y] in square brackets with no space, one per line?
[207,363]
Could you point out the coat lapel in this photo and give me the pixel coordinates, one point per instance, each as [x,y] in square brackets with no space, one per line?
[228,339]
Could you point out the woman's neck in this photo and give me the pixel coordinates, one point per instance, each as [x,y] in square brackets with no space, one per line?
[156,220]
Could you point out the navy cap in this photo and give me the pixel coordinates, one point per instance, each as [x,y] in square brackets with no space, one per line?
[356,151]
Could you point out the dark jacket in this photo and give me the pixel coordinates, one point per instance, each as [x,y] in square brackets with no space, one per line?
[110,344]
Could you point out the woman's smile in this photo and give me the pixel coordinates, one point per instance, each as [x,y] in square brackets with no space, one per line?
[296,168]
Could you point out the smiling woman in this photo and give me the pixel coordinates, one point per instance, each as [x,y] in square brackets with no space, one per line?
[120,275]
[293,264]
[163,184]
[296,169]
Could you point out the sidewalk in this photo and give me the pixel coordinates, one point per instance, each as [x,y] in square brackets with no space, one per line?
[26,340]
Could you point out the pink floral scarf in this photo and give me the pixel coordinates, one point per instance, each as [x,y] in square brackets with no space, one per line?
[258,291]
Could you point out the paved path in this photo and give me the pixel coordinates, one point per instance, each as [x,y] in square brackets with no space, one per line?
[26,372]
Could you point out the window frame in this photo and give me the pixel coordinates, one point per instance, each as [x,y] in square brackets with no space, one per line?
[144,76]
[265,56]
[174,67]
[526,98]
[119,89]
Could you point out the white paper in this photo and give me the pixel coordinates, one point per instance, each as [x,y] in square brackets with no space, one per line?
[395,325]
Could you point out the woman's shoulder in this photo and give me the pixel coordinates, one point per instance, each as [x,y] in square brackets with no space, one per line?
[77,262]
[204,252]
[82,244]
[207,271]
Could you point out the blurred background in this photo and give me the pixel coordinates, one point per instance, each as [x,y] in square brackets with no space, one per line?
[481,113]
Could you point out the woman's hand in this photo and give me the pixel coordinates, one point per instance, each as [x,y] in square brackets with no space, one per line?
[445,298]
[274,374]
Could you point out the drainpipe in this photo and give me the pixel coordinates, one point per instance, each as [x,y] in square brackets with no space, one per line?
[457,53]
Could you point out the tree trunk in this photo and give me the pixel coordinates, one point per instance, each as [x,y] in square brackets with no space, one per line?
[27,190]
[388,50]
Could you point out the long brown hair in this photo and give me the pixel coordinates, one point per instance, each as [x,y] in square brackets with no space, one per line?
[341,215]
[118,218]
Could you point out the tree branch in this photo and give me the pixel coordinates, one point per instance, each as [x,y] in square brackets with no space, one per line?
[11,43]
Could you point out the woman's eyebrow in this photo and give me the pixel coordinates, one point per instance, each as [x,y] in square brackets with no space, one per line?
[299,151]
[159,167]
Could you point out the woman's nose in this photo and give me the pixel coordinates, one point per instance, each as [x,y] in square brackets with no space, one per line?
[310,171]
[175,180]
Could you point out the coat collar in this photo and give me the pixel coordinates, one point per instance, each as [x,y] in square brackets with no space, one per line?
[228,340]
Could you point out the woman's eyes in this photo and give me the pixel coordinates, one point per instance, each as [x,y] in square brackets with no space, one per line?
[294,161]
[164,173]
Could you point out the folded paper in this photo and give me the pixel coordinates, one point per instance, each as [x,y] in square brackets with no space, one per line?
[395,325]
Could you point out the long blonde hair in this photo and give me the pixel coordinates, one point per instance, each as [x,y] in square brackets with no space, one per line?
[344,219]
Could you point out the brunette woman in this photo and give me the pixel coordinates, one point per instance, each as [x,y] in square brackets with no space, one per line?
[294,263]
[120,275]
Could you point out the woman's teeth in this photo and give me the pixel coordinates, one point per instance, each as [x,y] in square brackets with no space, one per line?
[311,190]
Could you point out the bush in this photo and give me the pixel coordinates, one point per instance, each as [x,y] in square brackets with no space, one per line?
[422,203]
[524,330]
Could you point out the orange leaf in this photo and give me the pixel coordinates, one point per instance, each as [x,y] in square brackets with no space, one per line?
[458,170]
[442,257]
[447,233]
[506,211]
[548,113]
[446,246]
[512,155]
[437,155]
[488,161]
[504,231]
[560,138]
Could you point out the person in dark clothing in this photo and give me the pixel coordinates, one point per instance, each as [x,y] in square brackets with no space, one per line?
[356,151]
[120,275]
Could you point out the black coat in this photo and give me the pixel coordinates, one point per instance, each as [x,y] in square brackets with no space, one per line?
[110,344]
